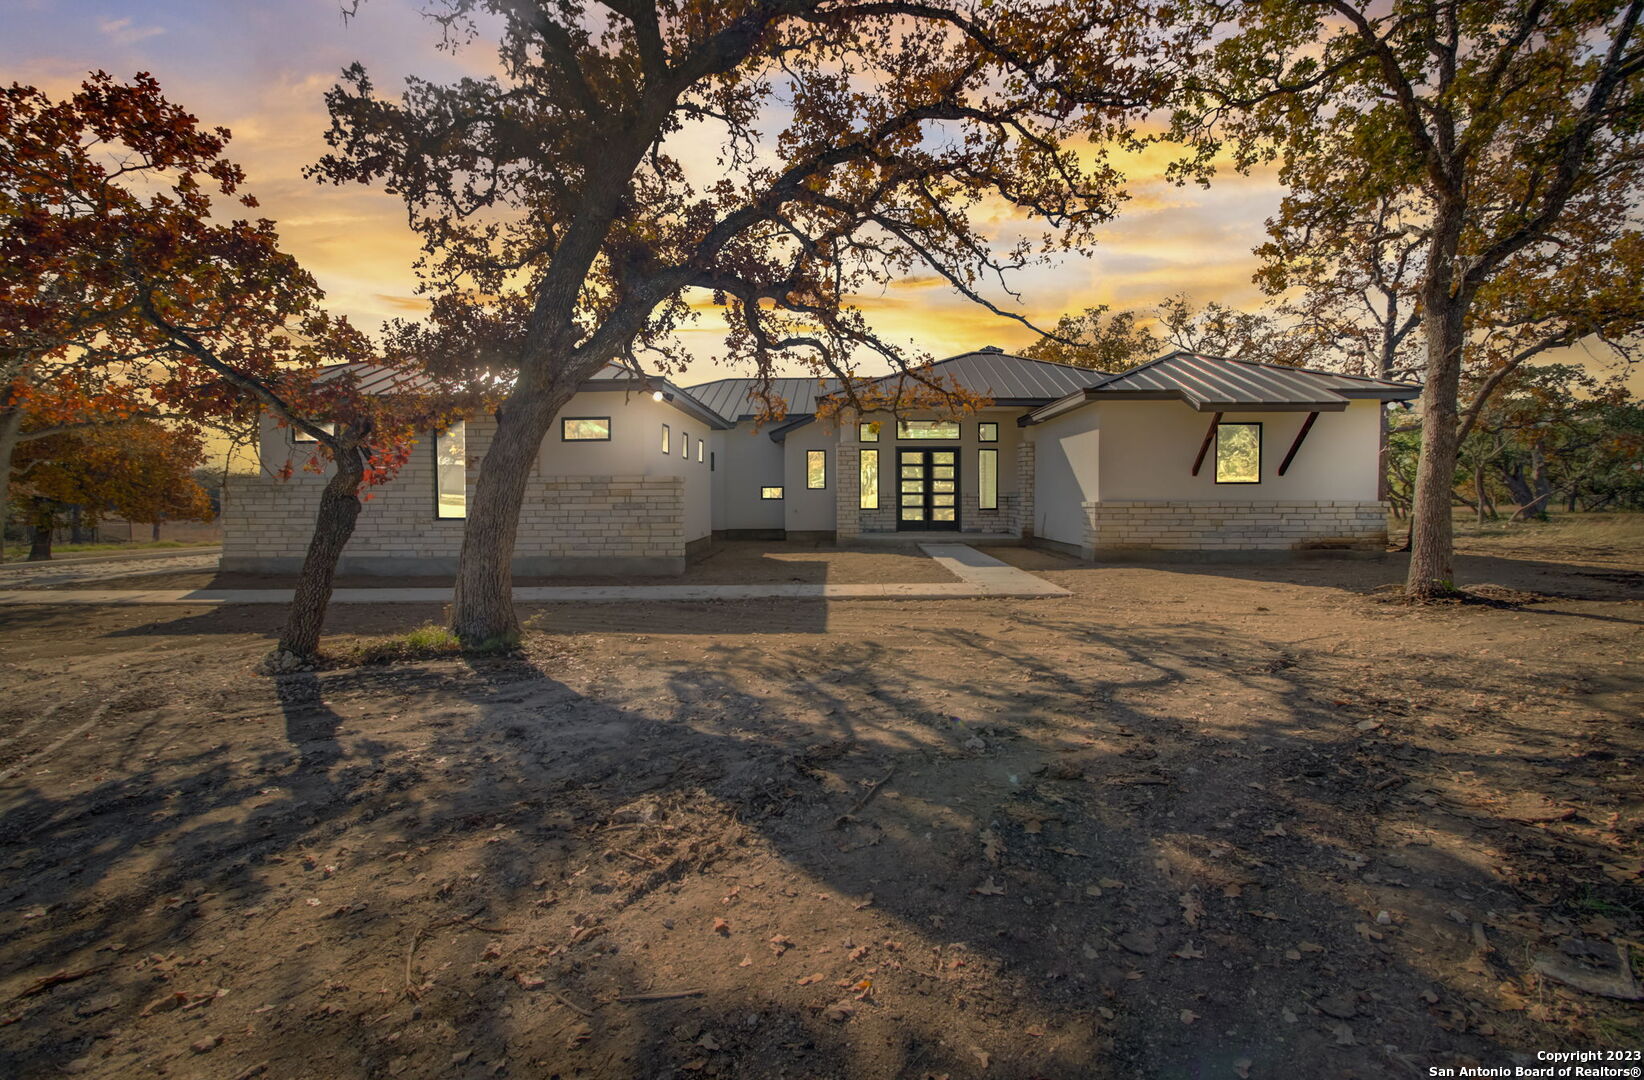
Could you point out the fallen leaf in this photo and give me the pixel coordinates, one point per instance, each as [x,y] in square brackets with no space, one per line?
[1188,952]
[806,980]
[708,1043]
[1111,883]
[1344,1035]
[983,1058]
[1188,1016]
[780,944]
[1242,1068]
[1192,907]
[988,888]
[722,928]
[747,961]
[1093,890]
[1308,946]
[992,846]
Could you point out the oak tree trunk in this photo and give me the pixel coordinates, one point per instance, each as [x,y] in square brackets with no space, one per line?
[333,525]
[40,531]
[482,607]
[1431,530]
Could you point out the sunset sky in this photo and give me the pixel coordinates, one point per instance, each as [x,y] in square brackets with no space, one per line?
[260,69]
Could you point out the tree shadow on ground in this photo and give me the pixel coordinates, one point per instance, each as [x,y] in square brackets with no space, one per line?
[1092,862]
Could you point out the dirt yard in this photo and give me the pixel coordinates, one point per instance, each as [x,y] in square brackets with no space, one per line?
[1191,822]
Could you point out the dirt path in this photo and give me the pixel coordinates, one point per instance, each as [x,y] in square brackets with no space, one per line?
[1192,822]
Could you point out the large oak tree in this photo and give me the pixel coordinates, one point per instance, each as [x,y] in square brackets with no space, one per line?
[778,157]
[1490,149]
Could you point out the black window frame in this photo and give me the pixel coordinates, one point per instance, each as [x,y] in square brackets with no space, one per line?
[1216,450]
[667,439]
[567,419]
[865,426]
[981,431]
[862,489]
[823,486]
[980,505]
[434,446]
[957,436]
[780,489]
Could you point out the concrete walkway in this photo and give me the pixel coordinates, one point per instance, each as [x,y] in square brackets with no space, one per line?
[979,575]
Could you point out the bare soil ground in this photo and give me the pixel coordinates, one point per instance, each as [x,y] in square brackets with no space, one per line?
[1190,822]
[738,562]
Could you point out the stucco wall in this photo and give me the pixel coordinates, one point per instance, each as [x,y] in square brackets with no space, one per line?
[807,509]
[747,461]
[1002,519]
[1147,451]
[1065,474]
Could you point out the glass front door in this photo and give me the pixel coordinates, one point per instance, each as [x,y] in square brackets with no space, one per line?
[928,489]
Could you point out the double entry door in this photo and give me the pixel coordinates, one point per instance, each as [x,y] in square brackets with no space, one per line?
[928,489]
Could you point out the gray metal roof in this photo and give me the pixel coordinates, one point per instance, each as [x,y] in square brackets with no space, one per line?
[1010,379]
[729,397]
[1224,384]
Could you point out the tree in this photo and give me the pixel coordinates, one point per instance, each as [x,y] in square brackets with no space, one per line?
[142,471]
[1505,133]
[855,138]
[119,263]
[1101,341]
[1218,330]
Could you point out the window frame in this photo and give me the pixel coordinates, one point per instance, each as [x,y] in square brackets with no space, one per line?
[811,455]
[667,439]
[700,453]
[868,430]
[1216,463]
[866,491]
[299,439]
[982,427]
[982,502]
[439,509]
[778,488]
[902,431]
[568,419]
[685,446]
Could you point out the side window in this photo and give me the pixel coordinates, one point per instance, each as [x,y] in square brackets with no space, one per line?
[1239,453]
[770,493]
[685,445]
[585,429]
[870,481]
[987,479]
[451,472]
[667,439]
[816,469]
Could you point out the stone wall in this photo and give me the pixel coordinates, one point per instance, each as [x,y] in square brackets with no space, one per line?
[1116,529]
[568,525]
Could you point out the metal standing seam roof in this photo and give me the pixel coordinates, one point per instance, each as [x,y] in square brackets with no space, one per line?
[729,397]
[1224,384]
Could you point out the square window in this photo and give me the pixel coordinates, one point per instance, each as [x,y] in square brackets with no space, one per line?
[870,481]
[816,469]
[988,432]
[1239,453]
[585,429]
[868,432]
[769,493]
[927,429]
[298,435]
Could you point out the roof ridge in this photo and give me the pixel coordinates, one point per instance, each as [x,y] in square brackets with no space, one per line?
[1294,367]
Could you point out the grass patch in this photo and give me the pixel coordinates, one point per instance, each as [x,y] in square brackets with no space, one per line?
[427,642]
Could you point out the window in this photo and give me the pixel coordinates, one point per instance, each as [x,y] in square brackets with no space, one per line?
[769,493]
[987,479]
[667,439]
[927,429]
[713,461]
[451,472]
[685,445]
[868,432]
[585,429]
[988,432]
[1238,453]
[700,443]
[816,469]
[298,435]
[870,480]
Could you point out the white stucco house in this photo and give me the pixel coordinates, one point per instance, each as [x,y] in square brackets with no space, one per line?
[1186,456]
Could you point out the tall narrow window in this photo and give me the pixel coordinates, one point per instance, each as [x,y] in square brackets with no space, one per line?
[816,469]
[987,479]
[700,443]
[1239,453]
[868,432]
[451,472]
[685,445]
[870,480]
[667,439]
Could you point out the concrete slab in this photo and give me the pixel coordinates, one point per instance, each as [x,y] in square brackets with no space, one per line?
[979,576]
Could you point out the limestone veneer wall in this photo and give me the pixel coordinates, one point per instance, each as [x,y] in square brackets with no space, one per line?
[1201,529]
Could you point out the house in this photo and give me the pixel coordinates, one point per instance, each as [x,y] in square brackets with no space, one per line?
[1185,456]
